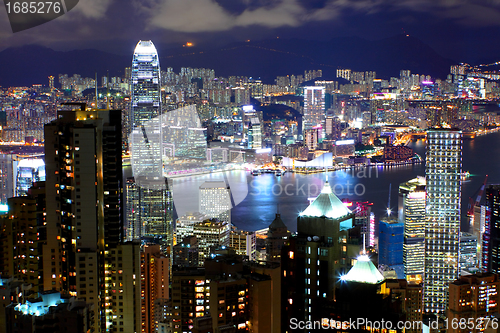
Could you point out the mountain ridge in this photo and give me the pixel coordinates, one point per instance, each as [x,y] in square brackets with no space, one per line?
[266,59]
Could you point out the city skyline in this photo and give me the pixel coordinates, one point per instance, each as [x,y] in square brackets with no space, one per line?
[281,206]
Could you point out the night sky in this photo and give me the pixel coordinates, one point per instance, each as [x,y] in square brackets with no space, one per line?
[461,30]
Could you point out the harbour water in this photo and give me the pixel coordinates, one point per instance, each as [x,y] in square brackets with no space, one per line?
[261,196]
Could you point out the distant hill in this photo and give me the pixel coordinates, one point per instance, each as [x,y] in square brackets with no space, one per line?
[266,59]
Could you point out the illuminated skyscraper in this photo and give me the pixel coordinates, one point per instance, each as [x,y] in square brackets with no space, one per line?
[215,200]
[145,111]
[491,237]
[149,203]
[314,107]
[146,97]
[442,225]
[28,172]
[84,217]
[412,214]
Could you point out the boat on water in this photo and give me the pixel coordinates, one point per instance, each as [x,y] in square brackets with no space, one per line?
[278,173]
[465,176]
[255,172]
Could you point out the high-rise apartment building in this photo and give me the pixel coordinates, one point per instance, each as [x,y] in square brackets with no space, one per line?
[154,286]
[491,237]
[474,298]
[21,237]
[84,214]
[411,212]
[314,107]
[442,225]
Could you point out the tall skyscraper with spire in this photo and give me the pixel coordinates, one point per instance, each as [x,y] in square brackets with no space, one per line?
[149,201]
[442,225]
[145,110]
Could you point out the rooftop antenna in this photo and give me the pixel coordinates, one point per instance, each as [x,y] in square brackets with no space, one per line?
[96,106]
[389,202]
[107,91]
[364,244]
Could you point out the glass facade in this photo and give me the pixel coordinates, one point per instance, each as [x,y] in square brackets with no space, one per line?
[145,109]
[442,227]
[149,200]
[412,213]
[314,107]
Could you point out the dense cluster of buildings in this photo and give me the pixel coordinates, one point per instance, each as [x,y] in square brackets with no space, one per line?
[90,242]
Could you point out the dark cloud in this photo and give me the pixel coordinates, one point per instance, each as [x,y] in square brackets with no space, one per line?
[450,26]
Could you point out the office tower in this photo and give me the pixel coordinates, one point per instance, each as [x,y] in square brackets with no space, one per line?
[84,210]
[28,171]
[277,238]
[215,200]
[411,212]
[473,298]
[442,225]
[314,107]
[390,242]
[318,256]
[468,252]
[148,193]
[244,243]
[254,134]
[184,225]
[146,84]
[491,237]
[210,234]
[21,237]
[154,286]
[149,209]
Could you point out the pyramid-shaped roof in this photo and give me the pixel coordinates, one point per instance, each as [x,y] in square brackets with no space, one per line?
[364,271]
[326,204]
[277,223]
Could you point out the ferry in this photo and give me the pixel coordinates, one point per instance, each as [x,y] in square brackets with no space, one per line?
[278,173]
[255,172]
[465,176]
